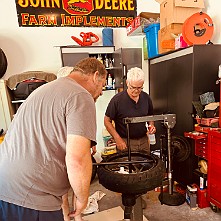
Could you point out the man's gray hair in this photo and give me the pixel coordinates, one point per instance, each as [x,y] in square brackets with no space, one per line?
[135,74]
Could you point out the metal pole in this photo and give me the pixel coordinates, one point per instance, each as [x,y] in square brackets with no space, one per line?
[128,142]
[169,162]
[128,146]
[123,162]
[138,210]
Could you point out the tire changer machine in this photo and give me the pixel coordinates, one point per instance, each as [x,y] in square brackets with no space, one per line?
[133,202]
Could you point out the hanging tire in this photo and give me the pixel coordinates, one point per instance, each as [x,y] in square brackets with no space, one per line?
[3,63]
[94,169]
[181,148]
[144,176]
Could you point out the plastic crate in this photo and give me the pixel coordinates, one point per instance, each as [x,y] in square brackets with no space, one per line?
[152,39]
[207,121]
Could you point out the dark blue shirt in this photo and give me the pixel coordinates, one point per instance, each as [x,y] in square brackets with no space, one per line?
[122,106]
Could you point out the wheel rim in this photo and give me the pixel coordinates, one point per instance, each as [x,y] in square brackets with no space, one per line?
[136,167]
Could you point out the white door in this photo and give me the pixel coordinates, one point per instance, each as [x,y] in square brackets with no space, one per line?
[101,106]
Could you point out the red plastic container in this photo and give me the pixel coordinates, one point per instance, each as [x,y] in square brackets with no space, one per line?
[202,198]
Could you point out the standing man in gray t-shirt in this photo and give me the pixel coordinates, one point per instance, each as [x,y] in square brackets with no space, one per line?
[46,150]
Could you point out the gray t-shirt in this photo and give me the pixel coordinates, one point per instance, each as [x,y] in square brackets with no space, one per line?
[32,157]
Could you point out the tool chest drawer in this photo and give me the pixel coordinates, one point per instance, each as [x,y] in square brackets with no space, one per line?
[201,148]
[200,143]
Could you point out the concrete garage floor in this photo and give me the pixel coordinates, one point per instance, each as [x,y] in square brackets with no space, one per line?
[154,210]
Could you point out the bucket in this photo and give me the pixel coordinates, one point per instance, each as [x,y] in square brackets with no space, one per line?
[107,37]
[151,32]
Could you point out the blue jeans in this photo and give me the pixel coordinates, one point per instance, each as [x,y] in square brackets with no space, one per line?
[12,212]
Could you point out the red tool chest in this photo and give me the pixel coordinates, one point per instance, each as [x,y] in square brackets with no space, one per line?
[214,168]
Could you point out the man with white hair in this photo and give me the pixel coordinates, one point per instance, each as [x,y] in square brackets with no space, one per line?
[133,102]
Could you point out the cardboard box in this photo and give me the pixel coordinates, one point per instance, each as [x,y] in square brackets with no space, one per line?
[166,37]
[177,11]
[191,197]
[136,27]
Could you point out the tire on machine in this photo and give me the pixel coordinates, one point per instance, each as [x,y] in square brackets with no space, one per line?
[137,182]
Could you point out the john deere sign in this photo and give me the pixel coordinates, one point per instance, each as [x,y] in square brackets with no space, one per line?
[76,13]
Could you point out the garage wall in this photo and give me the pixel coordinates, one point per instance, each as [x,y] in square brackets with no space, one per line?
[35,48]
[212,8]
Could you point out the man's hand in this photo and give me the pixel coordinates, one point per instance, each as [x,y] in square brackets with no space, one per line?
[78,209]
[121,145]
[151,129]
[94,150]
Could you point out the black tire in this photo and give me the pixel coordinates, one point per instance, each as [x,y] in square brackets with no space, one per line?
[3,63]
[94,169]
[145,177]
[181,148]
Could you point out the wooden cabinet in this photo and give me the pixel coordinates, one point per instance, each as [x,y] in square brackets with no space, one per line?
[214,168]
[6,109]
[122,59]
[176,80]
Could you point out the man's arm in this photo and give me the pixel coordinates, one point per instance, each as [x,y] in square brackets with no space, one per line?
[79,169]
[111,129]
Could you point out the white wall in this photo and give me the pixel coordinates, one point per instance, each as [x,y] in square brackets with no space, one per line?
[212,8]
[34,48]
